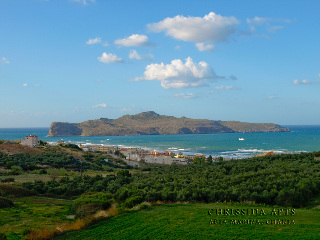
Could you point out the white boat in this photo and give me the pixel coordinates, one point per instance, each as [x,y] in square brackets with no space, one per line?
[241,139]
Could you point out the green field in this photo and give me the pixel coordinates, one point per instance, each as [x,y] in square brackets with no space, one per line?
[192,221]
[32,213]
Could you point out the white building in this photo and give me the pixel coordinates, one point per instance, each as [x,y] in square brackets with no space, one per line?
[31,141]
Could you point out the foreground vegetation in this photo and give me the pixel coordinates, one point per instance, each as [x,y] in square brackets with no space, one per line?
[284,180]
[44,189]
[30,213]
[192,221]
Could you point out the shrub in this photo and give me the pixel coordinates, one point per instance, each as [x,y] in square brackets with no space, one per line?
[5,203]
[6,180]
[88,204]
[43,171]
[15,191]
[3,236]
[132,201]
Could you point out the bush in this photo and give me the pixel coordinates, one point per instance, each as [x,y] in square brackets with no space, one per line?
[15,191]
[5,203]
[43,171]
[132,201]
[3,236]
[89,203]
[6,180]
[70,145]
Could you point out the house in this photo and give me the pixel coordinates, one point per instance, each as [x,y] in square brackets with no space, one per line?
[30,141]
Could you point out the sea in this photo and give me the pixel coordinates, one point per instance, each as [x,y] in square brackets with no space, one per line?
[227,145]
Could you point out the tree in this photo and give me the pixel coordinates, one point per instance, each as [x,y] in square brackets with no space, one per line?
[220,159]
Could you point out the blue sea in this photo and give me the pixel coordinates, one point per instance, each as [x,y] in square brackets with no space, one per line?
[300,139]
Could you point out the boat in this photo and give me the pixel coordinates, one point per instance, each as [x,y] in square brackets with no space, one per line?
[241,139]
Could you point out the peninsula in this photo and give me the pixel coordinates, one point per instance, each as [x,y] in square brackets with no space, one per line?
[151,123]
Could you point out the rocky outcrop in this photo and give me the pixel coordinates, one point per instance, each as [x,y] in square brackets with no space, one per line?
[151,123]
[64,129]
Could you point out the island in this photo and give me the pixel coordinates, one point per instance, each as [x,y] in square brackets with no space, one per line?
[151,123]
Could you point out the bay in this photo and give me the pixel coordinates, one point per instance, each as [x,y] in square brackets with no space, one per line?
[300,139]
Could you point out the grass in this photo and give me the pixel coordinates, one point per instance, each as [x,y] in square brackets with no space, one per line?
[52,174]
[192,221]
[33,213]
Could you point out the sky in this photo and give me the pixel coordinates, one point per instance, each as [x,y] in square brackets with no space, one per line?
[75,60]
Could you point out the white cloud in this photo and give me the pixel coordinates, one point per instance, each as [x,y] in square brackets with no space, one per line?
[185,95]
[204,47]
[4,60]
[303,82]
[226,88]
[211,28]
[179,74]
[275,28]
[319,75]
[25,85]
[135,55]
[93,41]
[135,40]
[101,105]
[260,22]
[84,2]
[110,58]
[257,21]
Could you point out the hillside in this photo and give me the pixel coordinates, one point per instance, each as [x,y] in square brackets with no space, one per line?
[151,123]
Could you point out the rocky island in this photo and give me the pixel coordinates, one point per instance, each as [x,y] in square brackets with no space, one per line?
[151,123]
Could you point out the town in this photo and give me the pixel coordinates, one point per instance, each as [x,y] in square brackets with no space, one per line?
[132,155]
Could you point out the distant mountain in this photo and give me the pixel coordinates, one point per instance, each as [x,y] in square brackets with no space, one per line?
[151,123]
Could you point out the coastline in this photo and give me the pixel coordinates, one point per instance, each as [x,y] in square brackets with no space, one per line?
[302,138]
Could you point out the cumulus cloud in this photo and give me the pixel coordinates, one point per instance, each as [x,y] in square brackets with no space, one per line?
[226,88]
[4,60]
[110,58]
[212,28]
[135,55]
[135,40]
[84,2]
[185,95]
[303,82]
[204,47]
[25,85]
[101,105]
[92,41]
[180,75]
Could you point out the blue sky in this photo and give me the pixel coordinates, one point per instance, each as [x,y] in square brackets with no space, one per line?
[75,60]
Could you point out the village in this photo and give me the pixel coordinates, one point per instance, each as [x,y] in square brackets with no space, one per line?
[130,154]
[134,156]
